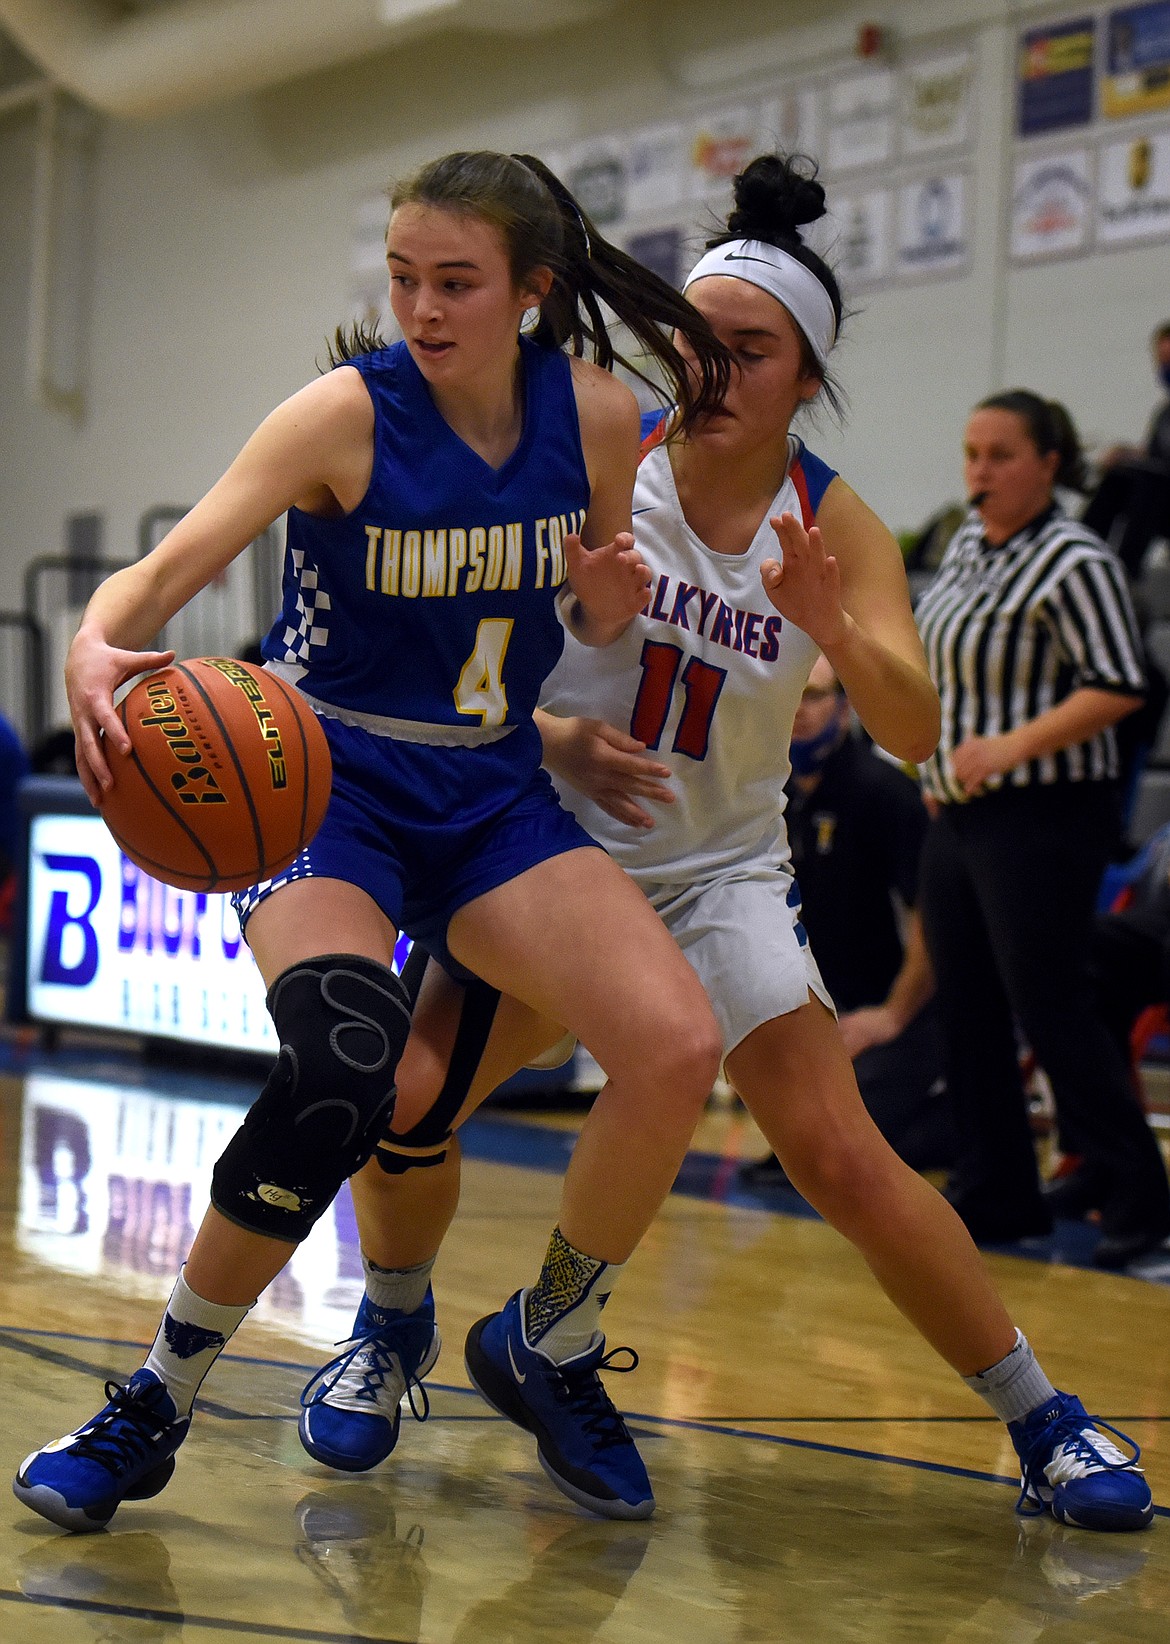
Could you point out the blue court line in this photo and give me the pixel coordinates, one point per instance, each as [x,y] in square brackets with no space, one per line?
[724,1428]
[184,1618]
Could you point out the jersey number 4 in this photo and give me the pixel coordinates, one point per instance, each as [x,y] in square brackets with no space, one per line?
[480,689]
[701,685]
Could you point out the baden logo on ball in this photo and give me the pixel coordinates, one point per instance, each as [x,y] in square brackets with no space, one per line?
[227,778]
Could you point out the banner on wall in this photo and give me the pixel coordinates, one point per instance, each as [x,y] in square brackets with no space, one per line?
[860,121]
[932,227]
[369,279]
[1052,206]
[790,121]
[663,250]
[1137,60]
[936,102]
[1133,190]
[656,171]
[1055,77]
[861,251]
[596,175]
[722,141]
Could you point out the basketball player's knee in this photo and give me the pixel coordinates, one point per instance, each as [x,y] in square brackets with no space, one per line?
[848,1178]
[342,1021]
[686,1058]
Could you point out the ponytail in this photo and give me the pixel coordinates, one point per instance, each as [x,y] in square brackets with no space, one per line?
[543,225]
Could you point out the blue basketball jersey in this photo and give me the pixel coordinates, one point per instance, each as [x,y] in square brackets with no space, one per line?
[433,602]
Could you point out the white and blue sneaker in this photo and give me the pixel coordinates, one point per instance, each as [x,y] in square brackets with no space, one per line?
[582,1442]
[125,1453]
[352,1407]
[1070,1469]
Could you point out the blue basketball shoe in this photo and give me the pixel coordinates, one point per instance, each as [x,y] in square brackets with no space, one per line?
[1070,1469]
[582,1442]
[125,1453]
[351,1408]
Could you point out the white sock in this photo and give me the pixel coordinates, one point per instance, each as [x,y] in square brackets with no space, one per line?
[397,1289]
[190,1338]
[1016,1385]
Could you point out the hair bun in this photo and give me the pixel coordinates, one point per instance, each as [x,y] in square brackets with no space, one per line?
[775,196]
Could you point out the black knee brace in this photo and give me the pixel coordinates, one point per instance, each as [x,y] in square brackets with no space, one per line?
[342,1021]
[426,1142]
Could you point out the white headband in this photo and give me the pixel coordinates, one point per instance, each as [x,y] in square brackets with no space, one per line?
[783,277]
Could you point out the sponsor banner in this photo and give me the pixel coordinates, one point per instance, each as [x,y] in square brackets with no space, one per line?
[861,120]
[932,226]
[656,171]
[790,121]
[1052,205]
[862,249]
[1133,190]
[664,251]
[937,95]
[595,173]
[1137,60]
[722,141]
[369,279]
[1055,77]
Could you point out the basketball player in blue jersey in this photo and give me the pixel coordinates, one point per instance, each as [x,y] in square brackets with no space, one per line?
[445,497]
[670,745]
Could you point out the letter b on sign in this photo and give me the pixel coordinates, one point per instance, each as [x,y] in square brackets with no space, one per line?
[72,925]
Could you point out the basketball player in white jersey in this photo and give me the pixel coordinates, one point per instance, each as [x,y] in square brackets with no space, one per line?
[671,747]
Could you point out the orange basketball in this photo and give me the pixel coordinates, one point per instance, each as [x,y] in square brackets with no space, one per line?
[227,778]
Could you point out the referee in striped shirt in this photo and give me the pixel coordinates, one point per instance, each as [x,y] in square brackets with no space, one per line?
[1033,645]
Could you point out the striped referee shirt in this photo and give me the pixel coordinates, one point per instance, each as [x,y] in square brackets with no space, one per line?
[1013,630]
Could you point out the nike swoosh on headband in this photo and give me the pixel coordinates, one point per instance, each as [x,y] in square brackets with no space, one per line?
[738,257]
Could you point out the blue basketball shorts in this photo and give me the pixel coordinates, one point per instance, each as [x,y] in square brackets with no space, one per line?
[424,830]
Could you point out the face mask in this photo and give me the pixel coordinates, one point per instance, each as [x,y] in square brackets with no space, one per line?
[1164,376]
[808,754]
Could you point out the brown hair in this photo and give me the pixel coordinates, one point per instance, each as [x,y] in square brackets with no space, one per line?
[543,226]
[1050,428]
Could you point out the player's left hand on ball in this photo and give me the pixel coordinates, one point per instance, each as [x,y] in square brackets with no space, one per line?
[805,587]
[612,583]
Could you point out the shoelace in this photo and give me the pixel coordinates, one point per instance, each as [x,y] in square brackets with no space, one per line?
[1072,1436]
[124,1434]
[582,1391]
[382,1361]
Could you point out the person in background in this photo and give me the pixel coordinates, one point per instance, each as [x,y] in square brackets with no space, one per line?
[1032,642]
[1130,966]
[856,823]
[1133,496]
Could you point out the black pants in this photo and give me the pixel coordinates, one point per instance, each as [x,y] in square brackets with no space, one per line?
[903,1087]
[1007,893]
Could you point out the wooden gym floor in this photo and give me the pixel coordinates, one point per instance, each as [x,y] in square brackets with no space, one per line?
[821,1478]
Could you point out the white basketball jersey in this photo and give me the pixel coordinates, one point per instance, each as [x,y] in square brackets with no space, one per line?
[709,678]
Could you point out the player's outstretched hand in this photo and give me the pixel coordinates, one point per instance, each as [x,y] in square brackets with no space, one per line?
[607,766]
[611,583]
[93,672]
[806,586]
